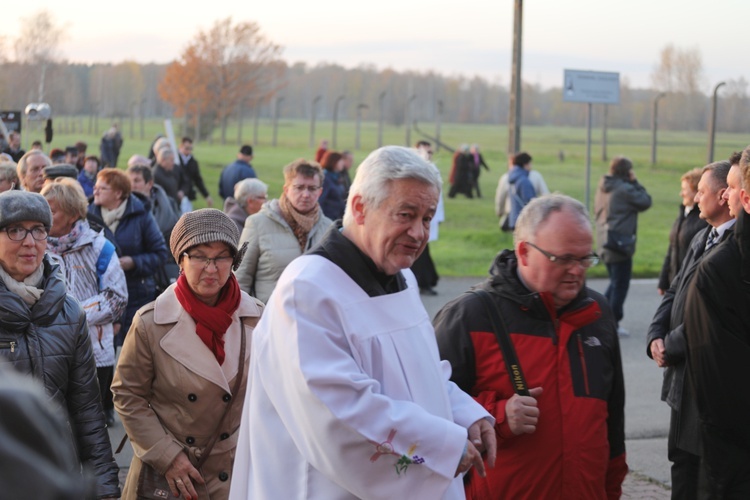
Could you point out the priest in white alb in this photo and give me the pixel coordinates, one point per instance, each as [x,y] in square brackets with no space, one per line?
[347,396]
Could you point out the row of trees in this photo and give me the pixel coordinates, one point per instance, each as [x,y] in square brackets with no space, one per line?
[232,71]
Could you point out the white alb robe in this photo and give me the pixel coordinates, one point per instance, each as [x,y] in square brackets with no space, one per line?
[344,386]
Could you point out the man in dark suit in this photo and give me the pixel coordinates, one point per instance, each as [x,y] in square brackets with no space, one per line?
[192,172]
[717,322]
[666,337]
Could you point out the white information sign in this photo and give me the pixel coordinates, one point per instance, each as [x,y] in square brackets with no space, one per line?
[597,87]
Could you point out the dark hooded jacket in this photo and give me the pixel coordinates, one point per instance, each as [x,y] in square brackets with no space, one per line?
[578,448]
[50,341]
[616,207]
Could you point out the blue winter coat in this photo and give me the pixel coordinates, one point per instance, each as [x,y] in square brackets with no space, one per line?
[521,192]
[332,200]
[232,174]
[139,237]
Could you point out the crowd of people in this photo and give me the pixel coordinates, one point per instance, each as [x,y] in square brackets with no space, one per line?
[279,347]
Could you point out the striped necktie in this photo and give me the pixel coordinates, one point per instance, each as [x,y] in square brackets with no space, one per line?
[713,239]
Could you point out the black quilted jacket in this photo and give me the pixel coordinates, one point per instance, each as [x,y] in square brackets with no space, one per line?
[50,341]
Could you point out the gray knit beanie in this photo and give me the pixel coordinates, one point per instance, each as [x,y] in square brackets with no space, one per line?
[206,225]
[19,206]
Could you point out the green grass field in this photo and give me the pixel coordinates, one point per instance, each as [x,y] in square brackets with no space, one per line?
[470,237]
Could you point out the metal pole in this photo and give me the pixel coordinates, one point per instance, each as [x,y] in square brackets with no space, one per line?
[409,119]
[142,117]
[313,114]
[654,125]
[604,133]
[438,125]
[360,107]
[276,111]
[514,113]
[381,101]
[336,118]
[588,156]
[712,125]
[255,124]
[240,121]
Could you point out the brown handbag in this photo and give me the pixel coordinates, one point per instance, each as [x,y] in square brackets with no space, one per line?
[154,486]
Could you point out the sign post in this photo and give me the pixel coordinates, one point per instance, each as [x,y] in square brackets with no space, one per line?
[590,87]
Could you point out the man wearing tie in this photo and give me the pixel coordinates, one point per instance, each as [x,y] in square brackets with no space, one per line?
[666,338]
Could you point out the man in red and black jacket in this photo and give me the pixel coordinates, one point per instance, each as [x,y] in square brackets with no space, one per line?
[566,439]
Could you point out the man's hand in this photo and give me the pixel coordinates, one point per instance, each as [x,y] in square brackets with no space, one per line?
[471,457]
[522,412]
[482,436]
[661,291]
[209,201]
[657,352]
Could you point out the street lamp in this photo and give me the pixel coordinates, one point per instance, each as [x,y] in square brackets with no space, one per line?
[276,112]
[438,123]
[360,107]
[336,118]
[313,113]
[410,119]
[381,102]
[712,125]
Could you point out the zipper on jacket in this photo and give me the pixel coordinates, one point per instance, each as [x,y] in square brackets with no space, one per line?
[583,365]
[556,333]
[8,344]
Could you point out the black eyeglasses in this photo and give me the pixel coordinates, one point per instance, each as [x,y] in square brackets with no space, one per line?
[567,260]
[39,233]
[203,262]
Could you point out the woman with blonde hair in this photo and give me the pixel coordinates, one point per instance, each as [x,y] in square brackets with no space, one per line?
[93,275]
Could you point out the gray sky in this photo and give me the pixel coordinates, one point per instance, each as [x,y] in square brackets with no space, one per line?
[466,37]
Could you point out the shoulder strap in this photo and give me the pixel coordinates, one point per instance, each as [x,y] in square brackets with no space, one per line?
[103,261]
[503,338]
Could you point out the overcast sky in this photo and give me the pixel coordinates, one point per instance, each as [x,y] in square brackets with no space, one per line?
[466,37]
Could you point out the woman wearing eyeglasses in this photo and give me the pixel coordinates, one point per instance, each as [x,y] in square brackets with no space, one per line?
[141,244]
[283,230]
[180,380]
[43,333]
[92,272]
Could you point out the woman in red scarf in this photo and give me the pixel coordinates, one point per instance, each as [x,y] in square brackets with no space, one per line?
[181,379]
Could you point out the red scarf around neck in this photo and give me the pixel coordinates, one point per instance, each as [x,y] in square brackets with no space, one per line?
[211,322]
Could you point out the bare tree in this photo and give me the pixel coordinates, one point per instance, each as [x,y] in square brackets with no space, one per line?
[37,45]
[680,73]
[221,67]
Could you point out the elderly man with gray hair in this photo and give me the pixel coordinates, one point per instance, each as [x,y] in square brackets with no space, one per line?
[30,170]
[539,350]
[249,196]
[348,396]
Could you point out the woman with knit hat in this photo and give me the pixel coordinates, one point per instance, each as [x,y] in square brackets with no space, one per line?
[181,377]
[283,230]
[43,333]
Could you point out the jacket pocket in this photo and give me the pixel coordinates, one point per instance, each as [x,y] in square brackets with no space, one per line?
[8,345]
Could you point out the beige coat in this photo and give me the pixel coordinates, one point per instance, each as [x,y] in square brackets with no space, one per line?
[271,246]
[170,391]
